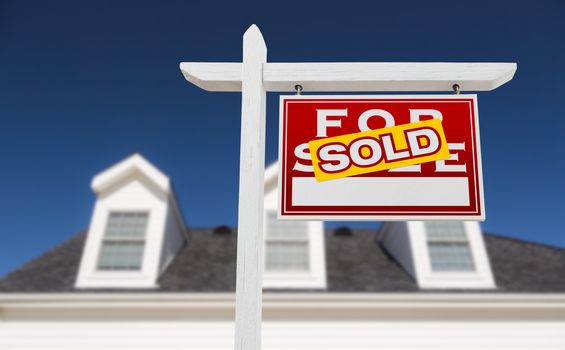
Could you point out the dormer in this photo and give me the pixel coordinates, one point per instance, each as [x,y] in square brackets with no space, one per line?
[294,250]
[440,254]
[136,227]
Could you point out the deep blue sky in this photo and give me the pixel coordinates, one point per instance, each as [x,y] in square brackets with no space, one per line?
[85,83]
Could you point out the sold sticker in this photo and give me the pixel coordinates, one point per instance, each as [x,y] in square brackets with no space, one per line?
[380,149]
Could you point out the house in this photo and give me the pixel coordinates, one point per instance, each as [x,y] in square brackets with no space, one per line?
[138,278]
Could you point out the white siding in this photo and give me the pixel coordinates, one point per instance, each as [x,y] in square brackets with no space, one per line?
[173,238]
[291,321]
[326,335]
[396,240]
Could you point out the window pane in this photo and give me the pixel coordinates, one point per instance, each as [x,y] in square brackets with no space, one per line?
[116,255]
[126,225]
[450,256]
[446,231]
[287,256]
[287,245]
[286,230]
[124,241]
[448,246]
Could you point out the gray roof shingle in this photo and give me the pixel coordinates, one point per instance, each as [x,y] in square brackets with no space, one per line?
[355,263]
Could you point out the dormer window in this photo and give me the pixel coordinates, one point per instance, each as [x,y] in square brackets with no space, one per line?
[136,228]
[286,245]
[124,241]
[448,246]
[440,254]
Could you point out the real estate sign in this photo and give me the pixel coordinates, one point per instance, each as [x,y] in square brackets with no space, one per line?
[380,158]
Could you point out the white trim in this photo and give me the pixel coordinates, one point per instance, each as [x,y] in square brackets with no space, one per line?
[134,163]
[294,306]
[299,300]
[90,276]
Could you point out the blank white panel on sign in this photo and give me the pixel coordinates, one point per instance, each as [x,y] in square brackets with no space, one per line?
[395,191]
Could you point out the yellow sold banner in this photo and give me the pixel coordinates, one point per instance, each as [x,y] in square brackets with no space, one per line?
[381,149]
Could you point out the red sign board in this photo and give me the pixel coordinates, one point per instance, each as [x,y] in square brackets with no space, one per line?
[446,189]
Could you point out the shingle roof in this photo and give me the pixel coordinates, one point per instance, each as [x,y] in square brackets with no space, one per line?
[355,263]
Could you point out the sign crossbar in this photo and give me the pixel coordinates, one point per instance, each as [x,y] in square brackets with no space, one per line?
[355,76]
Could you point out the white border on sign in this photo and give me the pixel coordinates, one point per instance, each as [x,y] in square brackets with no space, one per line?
[453,216]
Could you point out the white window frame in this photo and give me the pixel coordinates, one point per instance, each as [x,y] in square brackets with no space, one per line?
[479,278]
[315,277]
[92,277]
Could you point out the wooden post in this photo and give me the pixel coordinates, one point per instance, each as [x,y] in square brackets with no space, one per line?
[249,282]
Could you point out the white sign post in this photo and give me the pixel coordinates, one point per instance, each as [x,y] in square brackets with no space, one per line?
[251,187]
[253,78]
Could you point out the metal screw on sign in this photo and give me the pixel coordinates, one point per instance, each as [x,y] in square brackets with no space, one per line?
[456,89]
[298,89]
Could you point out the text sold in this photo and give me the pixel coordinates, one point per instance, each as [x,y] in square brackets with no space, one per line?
[380,149]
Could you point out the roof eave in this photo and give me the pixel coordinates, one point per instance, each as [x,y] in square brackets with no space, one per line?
[307,299]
